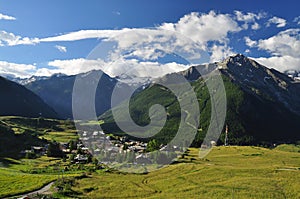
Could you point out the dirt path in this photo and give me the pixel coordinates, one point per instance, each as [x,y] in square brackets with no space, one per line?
[42,190]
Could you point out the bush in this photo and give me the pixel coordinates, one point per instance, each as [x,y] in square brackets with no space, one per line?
[54,150]
[30,155]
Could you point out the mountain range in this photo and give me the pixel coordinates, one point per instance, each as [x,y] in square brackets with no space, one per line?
[263,105]
[57,91]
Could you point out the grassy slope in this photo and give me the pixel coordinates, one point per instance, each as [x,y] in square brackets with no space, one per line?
[22,175]
[21,133]
[15,182]
[251,118]
[227,172]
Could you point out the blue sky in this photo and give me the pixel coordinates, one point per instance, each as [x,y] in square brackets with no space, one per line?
[46,37]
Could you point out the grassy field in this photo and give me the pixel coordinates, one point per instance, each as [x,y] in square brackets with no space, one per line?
[14,182]
[227,172]
[25,175]
[19,175]
[60,136]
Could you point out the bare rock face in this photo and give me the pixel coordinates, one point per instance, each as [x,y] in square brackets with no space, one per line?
[262,81]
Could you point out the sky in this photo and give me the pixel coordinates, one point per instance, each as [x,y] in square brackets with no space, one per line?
[144,38]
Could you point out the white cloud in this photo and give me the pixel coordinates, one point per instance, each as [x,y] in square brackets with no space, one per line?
[255,26]
[74,66]
[192,31]
[16,70]
[189,37]
[138,49]
[280,63]
[249,18]
[250,42]
[115,68]
[84,34]
[116,13]
[6,17]
[279,22]
[11,40]
[297,20]
[284,43]
[199,27]
[202,28]
[247,51]
[219,52]
[284,48]
[62,49]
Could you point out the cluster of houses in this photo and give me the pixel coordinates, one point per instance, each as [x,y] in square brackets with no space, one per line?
[98,144]
[112,146]
[80,153]
[37,150]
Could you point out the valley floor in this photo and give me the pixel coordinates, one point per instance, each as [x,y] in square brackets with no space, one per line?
[227,172]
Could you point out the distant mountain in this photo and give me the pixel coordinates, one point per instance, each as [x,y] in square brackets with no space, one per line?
[17,100]
[57,91]
[24,81]
[263,105]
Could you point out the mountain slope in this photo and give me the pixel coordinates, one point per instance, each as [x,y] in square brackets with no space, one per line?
[19,101]
[262,104]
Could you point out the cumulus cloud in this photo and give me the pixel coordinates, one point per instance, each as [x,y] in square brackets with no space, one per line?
[16,70]
[279,22]
[219,52]
[255,26]
[249,18]
[137,50]
[132,67]
[11,40]
[284,48]
[204,27]
[249,42]
[192,31]
[284,43]
[75,66]
[62,49]
[6,17]
[199,27]
[280,63]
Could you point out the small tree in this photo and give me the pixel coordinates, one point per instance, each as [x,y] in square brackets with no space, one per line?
[153,145]
[30,155]
[54,150]
[73,145]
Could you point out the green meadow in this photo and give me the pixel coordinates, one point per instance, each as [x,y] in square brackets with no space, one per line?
[227,172]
